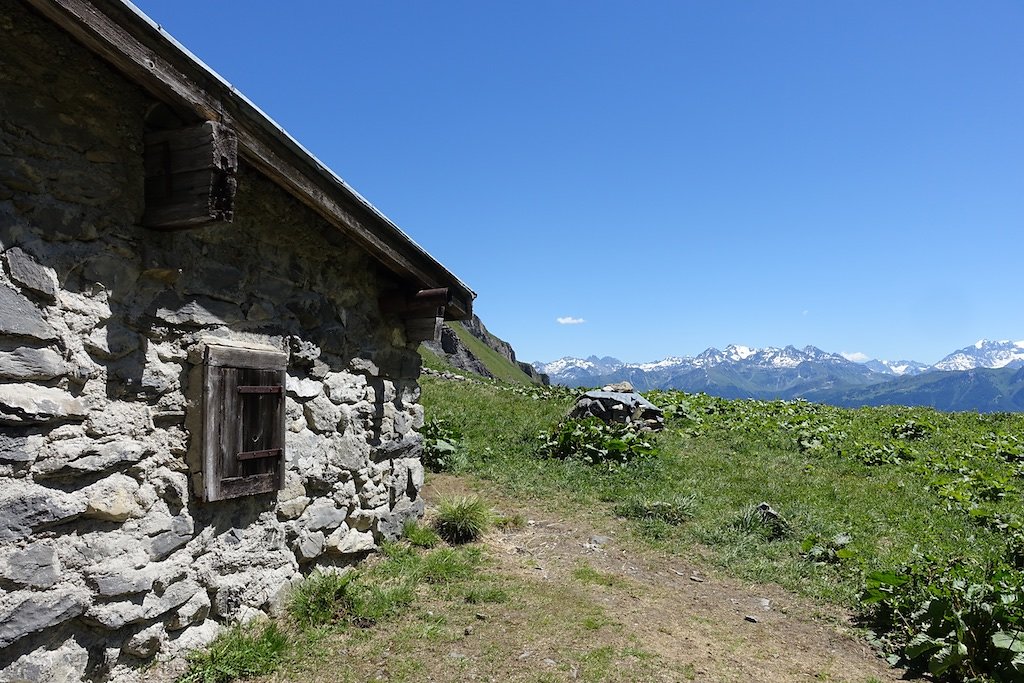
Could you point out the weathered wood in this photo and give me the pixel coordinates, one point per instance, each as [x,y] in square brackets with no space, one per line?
[423,300]
[190,176]
[237,357]
[235,487]
[276,389]
[257,455]
[424,329]
[243,422]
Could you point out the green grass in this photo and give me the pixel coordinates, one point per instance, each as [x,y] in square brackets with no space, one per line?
[330,601]
[728,463]
[498,365]
[243,651]
[911,491]
[588,574]
[419,535]
[324,598]
[462,519]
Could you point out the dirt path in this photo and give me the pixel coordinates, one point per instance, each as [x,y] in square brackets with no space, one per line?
[700,627]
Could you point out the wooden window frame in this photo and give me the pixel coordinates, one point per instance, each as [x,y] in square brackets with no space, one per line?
[243,405]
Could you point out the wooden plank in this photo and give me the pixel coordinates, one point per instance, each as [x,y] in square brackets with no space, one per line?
[208,145]
[236,487]
[238,357]
[190,176]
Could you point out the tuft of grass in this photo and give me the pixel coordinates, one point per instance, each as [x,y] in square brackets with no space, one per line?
[510,522]
[377,603]
[448,565]
[478,594]
[675,510]
[462,519]
[243,651]
[419,535]
[324,598]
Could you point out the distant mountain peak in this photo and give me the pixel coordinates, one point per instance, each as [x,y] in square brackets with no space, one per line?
[985,354]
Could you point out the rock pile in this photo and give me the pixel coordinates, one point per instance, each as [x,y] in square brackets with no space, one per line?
[619,403]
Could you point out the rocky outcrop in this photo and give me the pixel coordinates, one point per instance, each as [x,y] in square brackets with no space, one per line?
[451,348]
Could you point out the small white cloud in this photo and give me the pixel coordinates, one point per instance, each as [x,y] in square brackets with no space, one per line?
[856,356]
[569,320]
[805,312]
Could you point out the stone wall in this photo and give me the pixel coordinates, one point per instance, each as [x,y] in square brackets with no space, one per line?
[107,555]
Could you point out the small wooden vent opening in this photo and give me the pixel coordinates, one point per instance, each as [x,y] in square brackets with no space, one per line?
[190,176]
[243,422]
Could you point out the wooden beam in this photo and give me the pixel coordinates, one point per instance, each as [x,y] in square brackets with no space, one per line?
[424,329]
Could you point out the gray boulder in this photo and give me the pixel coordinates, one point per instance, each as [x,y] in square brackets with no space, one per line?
[619,403]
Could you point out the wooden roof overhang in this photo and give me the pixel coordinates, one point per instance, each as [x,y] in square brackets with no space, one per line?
[121,34]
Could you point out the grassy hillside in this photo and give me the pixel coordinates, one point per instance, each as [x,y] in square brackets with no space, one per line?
[910,516]
[498,365]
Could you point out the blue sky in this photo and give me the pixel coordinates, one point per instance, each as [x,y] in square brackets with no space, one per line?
[677,175]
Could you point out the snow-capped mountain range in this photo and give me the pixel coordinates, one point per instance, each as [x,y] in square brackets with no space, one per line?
[772,372]
[985,354]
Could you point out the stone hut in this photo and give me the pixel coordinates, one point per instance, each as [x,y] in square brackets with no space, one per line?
[208,365]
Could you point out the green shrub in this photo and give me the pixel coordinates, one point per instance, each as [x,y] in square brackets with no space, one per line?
[595,442]
[243,651]
[822,550]
[462,519]
[958,619]
[442,451]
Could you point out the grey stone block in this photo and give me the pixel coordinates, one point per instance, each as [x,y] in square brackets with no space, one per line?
[36,565]
[64,663]
[322,514]
[75,458]
[26,612]
[112,341]
[29,274]
[194,611]
[20,318]
[172,597]
[15,449]
[28,363]
[309,546]
[25,506]
[146,642]
[34,404]
[115,615]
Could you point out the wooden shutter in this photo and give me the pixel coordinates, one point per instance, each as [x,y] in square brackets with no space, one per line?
[243,415]
[190,176]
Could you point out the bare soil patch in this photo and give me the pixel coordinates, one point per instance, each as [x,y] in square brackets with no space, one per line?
[692,625]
